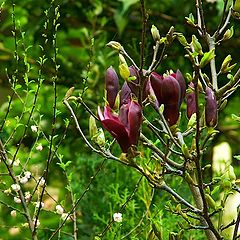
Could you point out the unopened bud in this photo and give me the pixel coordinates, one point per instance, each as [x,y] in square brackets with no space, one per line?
[210,201]
[123,68]
[92,126]
[196,45]
[100,140]
[228,34]
[115,45]
[155,33]
[225,68]
[211,113]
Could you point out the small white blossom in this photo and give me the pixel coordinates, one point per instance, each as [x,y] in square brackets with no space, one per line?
[64,216]
[38,204]
[23,180]
[59,209]
[16,163]
[39,147]
[15,187]
[27,174]
[27,196]
[34,128]
[38,222]
[17,200]
[42,182]
[117,217]
[13,213]
[9,161]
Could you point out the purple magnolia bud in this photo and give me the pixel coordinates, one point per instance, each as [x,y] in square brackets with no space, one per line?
[211,113]
[135,121]
[125,94]
[170,91]
[156,83]
[171,113]
[179,77]
[112,85]
[191,102]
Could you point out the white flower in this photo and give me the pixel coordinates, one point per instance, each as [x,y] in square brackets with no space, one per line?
[27,196]
[17,200]
[59,209]
[27,174]
[34,128]
[9,161]
[13,213]
[38,204]
[38,222]
[16,163]
[42,182]
[23,180]
[39,147]
[15,187]
[64,216]
[117,217]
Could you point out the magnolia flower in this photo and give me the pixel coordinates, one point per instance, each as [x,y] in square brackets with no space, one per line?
[111,85]
[191,102]
[126,126]
[170,91]
[211,114]
[27,174]
[117,217]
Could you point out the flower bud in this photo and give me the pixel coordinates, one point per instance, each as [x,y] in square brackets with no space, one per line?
[125,93]
[156,83]
[191,102]
[211,113]
[112,86]
[115,45]
[171,113]
[123,68]
[92,126]
[228,34]
[155,33]
[196,45]
[179,77]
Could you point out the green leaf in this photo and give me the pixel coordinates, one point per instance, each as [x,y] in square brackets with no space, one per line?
[207,57]
[237,157]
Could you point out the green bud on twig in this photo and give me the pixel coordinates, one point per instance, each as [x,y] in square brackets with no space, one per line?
[182,39]
[92,126]
[123,68]
[225,68]
[69,93]
[115,45]
[210,201]
[207,57]
[196,45]
[228,34]
[155,33]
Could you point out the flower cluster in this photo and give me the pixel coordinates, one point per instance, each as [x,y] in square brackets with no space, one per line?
[125,126]
[168,90]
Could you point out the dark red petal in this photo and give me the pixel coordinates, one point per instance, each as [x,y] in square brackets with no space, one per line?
[211,114]
[112,85]
[135,121]
[123,114]
[125,94]
[171,113]
[156,83]
[182,84]
[118,131]
[191,104]
[108,114]
[170,91]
